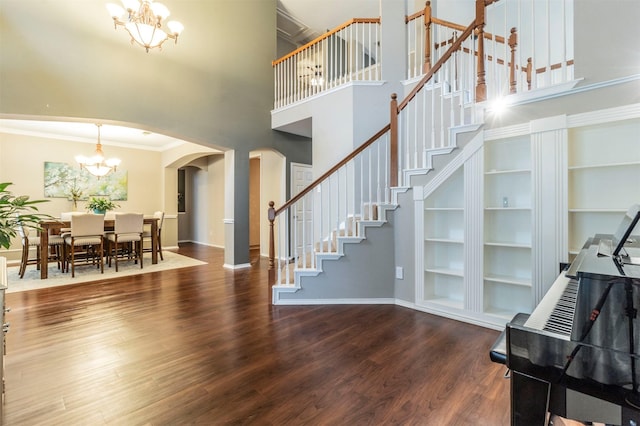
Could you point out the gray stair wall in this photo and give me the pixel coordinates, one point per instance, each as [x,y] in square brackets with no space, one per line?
[365,274]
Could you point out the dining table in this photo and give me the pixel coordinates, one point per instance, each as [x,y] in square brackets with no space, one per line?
[49,226]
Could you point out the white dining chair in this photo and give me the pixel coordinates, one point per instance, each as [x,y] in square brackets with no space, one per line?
[147,234]
[85,241]
[29,241]
[125,242]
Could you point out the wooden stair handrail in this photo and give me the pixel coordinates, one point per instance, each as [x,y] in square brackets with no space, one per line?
[436,67]
[442,22]
[329,172]
[326,35]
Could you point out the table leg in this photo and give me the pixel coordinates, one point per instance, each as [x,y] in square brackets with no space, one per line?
[154,242]
[44,253]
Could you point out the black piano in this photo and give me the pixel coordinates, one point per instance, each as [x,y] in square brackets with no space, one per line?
[577,355]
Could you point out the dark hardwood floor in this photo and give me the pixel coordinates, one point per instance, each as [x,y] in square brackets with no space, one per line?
[202,345]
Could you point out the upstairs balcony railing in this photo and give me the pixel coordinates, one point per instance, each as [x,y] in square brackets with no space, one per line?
[349,52]
[527,44]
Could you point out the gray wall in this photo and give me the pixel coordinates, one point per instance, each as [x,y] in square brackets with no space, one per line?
[215,87]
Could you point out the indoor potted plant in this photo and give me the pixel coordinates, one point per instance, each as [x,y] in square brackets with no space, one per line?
[14,210]
[100,205]
[75,194]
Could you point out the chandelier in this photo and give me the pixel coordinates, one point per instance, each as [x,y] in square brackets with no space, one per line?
[97,165]
[143,21]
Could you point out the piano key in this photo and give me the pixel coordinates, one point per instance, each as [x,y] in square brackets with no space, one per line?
[555,313]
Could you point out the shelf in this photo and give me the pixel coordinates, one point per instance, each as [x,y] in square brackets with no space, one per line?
[507,244]
[443,240]
[445,285]
[505,298]
[508,226]
[445,271]
[514,188]
[508,171]
[602,180]
[598,166]
[507,284]
[623,211]
[509,208]
[449,303]
[444,223]
[508,280]
[603,188]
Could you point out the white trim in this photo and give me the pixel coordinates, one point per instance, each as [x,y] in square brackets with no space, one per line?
[507,132]
[238,266]
[543,93]
[480,321]
[328,91]
[548,124]
[418,241]
[200,243]
[381,301]
[4,282]
[576,120]
[228,221]
[453,165]
[560,90]
[604,115]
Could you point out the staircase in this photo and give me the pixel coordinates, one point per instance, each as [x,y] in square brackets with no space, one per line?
[337,220]
[307,269]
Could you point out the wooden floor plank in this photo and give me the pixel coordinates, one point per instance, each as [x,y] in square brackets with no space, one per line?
[202,345]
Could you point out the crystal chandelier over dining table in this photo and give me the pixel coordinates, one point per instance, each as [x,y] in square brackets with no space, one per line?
[97,165]
[143,21]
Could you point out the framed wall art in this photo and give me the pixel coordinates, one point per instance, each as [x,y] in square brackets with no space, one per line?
[64,181]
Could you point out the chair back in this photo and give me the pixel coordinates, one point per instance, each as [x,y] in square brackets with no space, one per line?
[87,224]
[22,231]
[129,223]
[66,216]
[160,216]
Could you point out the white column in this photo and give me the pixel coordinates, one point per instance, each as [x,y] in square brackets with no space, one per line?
[474,232]
[549,189]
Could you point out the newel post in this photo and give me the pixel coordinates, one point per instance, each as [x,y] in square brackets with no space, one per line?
[513,43]
[427,38]
[481,84]
[272,216]
[393,142]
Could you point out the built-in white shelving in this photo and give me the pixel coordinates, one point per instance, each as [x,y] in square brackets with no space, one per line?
[495,230]
[507,227]
[444,244]
[603,178]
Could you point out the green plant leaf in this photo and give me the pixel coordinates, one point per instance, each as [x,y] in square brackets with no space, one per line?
[15,210]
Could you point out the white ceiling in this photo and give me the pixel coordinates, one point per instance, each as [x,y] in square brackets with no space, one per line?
[298,21]
[88,133]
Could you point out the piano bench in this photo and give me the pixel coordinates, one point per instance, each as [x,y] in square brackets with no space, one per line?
[498,352]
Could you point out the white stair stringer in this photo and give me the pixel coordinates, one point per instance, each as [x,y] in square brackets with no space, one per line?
[431,153]
[321,257]
[428,155]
